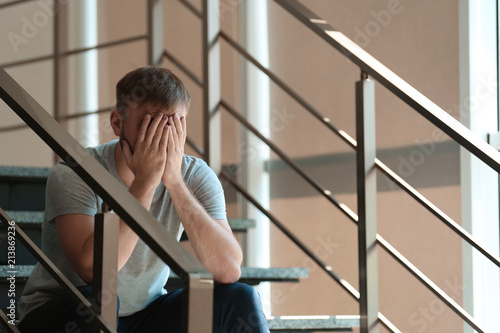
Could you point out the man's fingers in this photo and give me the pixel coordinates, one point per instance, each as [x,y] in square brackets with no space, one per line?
[184,129]
[175,129]
[151,131]
[158,135]
[164,138]
[144,128]
[171,142]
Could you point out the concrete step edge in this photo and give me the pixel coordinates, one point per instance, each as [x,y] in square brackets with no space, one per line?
[28,173]
[272,273]
[312,323]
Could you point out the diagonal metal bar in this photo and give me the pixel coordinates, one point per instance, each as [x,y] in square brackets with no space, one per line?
[325,120]
[72,52]
[326,193]
[183,68]
[191,8]
[84,114]
[27,61]
[104,45]
[394,83]
[387,323]
[4,320]
[13,3]
[429,284]
[54,271]
[328,269]
[436,212]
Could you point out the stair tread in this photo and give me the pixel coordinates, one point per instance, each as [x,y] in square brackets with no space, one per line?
[24,172]
[291,323]
[269,274]
[306,323]
[247,273]
[36,217]
[26,217]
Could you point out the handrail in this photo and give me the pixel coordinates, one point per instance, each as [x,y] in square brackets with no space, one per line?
[187,267]
[400,88]
[53,270]
[395,84]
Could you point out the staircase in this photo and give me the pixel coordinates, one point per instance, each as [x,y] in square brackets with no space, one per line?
[22,196]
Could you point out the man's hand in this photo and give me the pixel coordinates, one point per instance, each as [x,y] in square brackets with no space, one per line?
[147,162]
[175,150]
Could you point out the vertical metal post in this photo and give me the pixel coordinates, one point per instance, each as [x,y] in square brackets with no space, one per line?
[367,204]
[198,301]
[211,79]
[105,275]
[155,32]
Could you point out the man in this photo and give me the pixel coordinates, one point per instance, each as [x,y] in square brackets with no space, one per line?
[181,191]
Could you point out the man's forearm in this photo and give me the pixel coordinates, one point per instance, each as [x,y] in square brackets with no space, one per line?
[213,242]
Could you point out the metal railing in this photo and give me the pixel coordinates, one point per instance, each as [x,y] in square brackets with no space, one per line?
[367,163]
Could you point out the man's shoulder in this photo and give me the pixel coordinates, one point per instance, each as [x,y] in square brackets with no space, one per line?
[196,170]
[193,161]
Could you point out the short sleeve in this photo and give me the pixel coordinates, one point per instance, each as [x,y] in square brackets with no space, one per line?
[67,193]
[208,190]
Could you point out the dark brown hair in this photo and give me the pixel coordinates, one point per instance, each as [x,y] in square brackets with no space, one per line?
[155,86]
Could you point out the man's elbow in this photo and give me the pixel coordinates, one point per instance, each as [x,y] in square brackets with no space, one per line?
[86,274]
[229,275]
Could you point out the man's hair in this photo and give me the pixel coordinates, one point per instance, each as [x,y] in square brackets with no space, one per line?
[155,86]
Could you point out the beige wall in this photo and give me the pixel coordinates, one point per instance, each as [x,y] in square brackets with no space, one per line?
[419,41]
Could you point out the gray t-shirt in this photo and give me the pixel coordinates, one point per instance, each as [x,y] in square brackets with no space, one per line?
[143,277]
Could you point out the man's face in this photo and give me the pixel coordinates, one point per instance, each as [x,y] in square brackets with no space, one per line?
[135,116]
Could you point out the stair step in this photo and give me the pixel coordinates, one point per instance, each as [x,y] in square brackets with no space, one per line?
[23,188]
[305,324]
[339,323]
[252,274]
[24,173]
[255,275]
[26,218]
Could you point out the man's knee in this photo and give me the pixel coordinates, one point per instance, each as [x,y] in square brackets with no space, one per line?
[239,293]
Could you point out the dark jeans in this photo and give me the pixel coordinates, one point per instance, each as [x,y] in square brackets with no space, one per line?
[237,309]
